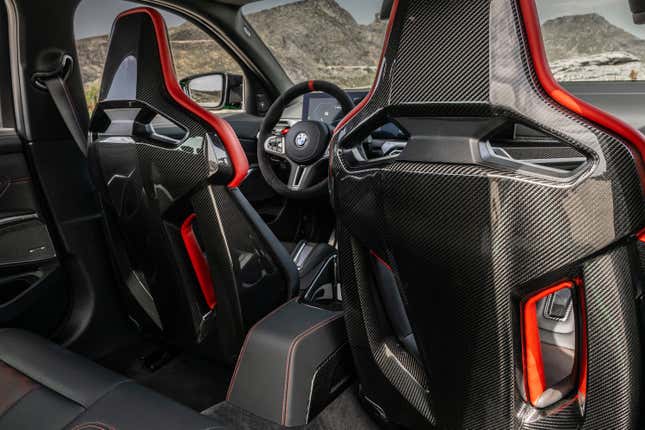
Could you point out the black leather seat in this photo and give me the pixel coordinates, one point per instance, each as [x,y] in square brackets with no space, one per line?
[43,386]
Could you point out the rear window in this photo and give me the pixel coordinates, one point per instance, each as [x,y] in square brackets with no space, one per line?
[592,40]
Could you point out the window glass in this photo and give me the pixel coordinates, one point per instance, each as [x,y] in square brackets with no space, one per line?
[338,41]
[592,40]
[194,52]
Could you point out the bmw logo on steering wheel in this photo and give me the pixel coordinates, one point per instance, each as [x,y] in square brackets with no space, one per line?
[301,139]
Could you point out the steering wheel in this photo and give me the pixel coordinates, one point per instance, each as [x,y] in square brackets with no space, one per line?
[304,145]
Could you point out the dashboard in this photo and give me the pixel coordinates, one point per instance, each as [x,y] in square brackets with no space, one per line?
[512,144]
[323,107]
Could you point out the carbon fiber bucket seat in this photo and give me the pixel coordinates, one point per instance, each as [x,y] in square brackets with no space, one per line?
[477,238]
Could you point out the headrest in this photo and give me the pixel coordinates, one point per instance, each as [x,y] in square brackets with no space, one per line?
[139,68]
[473,57]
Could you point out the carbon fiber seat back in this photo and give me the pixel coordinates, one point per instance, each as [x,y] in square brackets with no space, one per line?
[469,235]
[192,252]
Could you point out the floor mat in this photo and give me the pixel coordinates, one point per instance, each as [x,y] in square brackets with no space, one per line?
[192,381]
[344,413]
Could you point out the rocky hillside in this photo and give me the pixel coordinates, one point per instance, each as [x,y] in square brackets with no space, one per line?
[607,66]
[589,34]
[193,51]
[323,40]
[588,47]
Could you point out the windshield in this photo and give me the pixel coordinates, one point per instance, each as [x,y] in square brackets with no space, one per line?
[337,41]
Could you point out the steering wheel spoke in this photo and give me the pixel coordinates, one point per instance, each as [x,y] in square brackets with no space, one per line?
[275,145]
[300,177]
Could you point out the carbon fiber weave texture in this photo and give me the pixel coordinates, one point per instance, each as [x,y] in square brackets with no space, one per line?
[467,241]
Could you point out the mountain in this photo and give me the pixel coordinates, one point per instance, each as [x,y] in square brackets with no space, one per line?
[588,34]
[326,42]
[588,47]
[193,52]
[606,66]
[318,38]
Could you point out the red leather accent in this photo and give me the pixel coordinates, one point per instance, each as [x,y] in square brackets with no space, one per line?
[641,235]
[380,260]
[222,128]
[582,385]
[531,346]
[197,259]
[568,100]
[310,84]
[367,98]
[533,365]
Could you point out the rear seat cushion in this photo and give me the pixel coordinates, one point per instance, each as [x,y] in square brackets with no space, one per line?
[43,386]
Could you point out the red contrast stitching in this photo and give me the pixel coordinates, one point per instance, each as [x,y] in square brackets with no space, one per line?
[246,341]
[292,347]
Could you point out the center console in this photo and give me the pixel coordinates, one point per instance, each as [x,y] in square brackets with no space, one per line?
[296,360]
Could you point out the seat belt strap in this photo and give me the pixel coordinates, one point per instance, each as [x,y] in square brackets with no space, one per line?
[55,82]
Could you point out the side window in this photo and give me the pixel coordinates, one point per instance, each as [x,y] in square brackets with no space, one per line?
[592,41]
[201,64]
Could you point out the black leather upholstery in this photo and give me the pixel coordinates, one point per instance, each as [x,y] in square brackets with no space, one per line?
[43,386]
[283,354]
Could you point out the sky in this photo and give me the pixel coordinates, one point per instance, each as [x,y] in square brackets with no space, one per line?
[94,17]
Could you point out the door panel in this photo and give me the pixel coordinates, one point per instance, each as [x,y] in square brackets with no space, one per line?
[32,292]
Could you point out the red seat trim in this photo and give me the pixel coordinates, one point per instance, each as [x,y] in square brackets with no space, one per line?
[534,380]
[223,129]
[198,261]
[641,235]
[532,362]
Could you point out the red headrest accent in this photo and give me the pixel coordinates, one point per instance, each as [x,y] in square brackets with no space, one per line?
[559,95]
[222,128]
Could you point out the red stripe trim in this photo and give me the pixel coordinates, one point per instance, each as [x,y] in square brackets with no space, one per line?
[290,352]
[231,384]
[221,127]
[641,235]
[568,100]
[380,260]
[582,386]
[534,380]
[367,98]
[310,84]
[197,259]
